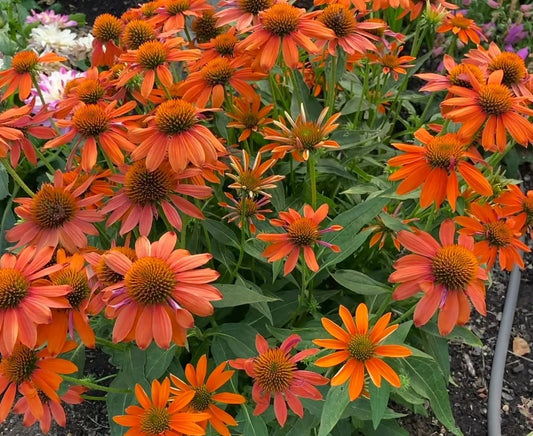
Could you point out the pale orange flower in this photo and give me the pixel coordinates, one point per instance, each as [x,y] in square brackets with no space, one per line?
[242,12]
[465,28]
[106,31]
[514,202]
[252,209]
[391,61]
[248,116]
[172,13]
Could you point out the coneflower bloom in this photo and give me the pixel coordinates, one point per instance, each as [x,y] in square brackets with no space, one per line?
[174,131]
[302,234]
[26,297]
[448,273]
[145,194]
[513,202]
[8,133]
[172,13]
[276,374]
[302,137]
[159,291]
[215,78]
[287,27]
[242,12]
[222,45]
[416,7]
[32,372]
[51,409]
[155,416]
[136,33]
[391,61]
[492,107]
[465,28]
[152,60]
[106,31]
[205,26]
[498,236]
[359,349]
[435,165]
[385,4]
[252,210]
[23,66]
[66,321]
[351,35]
[97,124]
[249,179]
[457,75]
[56,215]
[205,397]
[381,231]
[248,116]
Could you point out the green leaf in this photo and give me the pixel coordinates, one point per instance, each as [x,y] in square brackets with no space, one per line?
[393,223]
[158,360]
[336,402]
[233,340]
[4,183]
[221,232]
[359,283]
[389,428]
[251,425]
[427,380]
[379,398]
[236,295]
[459,333]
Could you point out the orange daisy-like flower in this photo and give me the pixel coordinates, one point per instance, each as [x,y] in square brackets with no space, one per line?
[248,116]
[249,180]
[276,374]
[55,215]
[287,27]
[204,398]
[302,137]
[106,31]
[381,231]
[205,26]
[499,236]
[252,209]
[175,131]
[465,28]
[222,45]
[351,35]
[145,194]
[514,202]
[172,13]
[151,60]
[159,291]
[8,133]
[35,374]
[136,33]
[211,82]
[448,274]
[96,124]
[359,348]
[25,297]
[242,12]
[51,409]
[391,61]
[385,4]
[435,165]
[73,275]
[302,233]
[416,7]
[493,107]
[23,66]
[155,417]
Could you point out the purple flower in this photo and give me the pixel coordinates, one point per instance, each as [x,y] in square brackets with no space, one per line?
[467,2]
[515,34]
[50,17]
[523,53]
[493,4]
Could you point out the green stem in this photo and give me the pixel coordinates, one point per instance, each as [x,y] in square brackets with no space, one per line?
[295,86]
[107,343]
[43,102]
[358,113]
[243,238]
[183,234]
[16,177]
[332,88]
[312,174]
[425,112]
[93,398]
[41,157]
[405,315]
[94,386]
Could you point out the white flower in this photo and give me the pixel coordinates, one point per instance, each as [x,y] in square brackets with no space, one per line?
[52,86]
[51,38]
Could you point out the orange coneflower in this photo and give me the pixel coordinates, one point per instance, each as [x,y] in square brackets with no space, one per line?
[302,137]
[359,4]
[287,27]
[56,215]
[302,233]
[159,291]
[435,166]
[136,33]
[243,12]
[215,78]
[174,131]
[448,274]
[51,409]
[395,4]
[252,209]
[276,374]
[513,202]
[248,180]
[493,107]
[359,348]
[35,374]
[155,417]
[66,321]
[145,194]
[222,45]
[26,297]
[465,28]
[172,13]
[106,31]
[24,66]
[8,133]
[381,231]
[151,60]
[391,61]
[499,236]
[95,125]
[416,7]
[205,26]
[351,35]
[204,398]
[248,116]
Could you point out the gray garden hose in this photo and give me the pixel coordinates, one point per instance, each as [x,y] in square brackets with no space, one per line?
[500,354]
